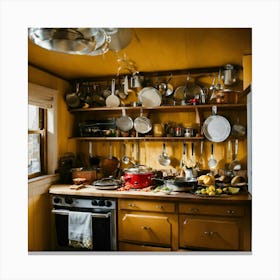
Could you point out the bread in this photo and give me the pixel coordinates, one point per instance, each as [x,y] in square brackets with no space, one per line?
[237,180]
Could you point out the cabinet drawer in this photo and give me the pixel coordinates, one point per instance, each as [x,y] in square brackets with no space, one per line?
[142,205]
[123,246]
[220,210]
[208,234]
[145,228]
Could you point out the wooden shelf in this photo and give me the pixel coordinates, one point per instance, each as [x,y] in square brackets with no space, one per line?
[146,138]
[169,108]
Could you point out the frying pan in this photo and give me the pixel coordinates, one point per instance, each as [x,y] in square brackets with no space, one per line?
[216,128]
[142,124]
[124,123]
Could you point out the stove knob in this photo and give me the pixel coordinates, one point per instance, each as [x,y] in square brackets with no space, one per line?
[108,203]
[101,203]
[68,200]
[94,202]
[57,200]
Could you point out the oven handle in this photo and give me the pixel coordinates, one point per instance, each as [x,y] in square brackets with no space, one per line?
[95,215]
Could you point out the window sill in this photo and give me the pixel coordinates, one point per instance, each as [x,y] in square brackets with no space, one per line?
[44,178]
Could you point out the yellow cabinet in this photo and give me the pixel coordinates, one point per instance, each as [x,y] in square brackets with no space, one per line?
[202,232]
[214,226]
[151,224]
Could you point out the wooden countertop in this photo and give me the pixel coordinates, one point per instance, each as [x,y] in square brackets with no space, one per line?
[136,194]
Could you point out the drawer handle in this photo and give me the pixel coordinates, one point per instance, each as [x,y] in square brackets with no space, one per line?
[145,228]
[209,233]
[230,211]
[193,210]
[159,206]
[131,205]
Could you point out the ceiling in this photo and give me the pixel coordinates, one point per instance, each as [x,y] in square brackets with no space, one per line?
[152,49]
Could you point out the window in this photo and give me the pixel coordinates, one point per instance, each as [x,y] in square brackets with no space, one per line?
[42,130]
[37,141]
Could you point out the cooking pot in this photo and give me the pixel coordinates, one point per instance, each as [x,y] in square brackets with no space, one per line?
[138,177]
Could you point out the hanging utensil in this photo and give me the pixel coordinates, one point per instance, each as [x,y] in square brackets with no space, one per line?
[93,160]
[216,128]
[200,161]
[72,99]
[142,124]
[235,164]
[238,130]
[111,164]
[124,123]
[112,100]
[164,159]
[212,162]
[183,159]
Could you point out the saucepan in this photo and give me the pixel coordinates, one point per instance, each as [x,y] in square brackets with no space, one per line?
[124,123]
[142,124]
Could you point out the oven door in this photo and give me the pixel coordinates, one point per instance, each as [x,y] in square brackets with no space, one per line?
[103,230]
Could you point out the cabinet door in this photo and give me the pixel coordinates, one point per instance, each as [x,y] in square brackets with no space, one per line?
[146,228]
[216,234]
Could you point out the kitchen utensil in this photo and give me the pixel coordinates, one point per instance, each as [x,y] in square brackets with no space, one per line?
[179,94]
[106,184]
[149,97]
[229,76]
[142,124]
[212,162]
[183,159]
[112,100]
[72,99]
[200,161]
[109,165]
[164,159]
[238,130]
[169,89]
[191,161]
[93,160]
[235,165]
[124,123]
[216,128]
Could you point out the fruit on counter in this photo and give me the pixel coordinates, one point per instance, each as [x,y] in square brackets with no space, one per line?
[233,190]
[212,191]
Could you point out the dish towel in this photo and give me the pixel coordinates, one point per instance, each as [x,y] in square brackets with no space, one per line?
[80,229]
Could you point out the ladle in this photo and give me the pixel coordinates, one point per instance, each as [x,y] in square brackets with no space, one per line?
[212,162]
[235,164]
[164,159]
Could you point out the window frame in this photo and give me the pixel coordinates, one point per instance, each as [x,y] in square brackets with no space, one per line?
[46,98]
[43,142]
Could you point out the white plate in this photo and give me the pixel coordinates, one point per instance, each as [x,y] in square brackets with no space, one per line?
[149,97]
[216,128]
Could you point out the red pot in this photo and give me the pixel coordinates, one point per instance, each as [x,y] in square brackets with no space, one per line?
[138,177]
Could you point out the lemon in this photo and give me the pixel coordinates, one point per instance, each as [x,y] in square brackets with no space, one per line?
[219,191]
[203,191]
[211,188]
[233,190]
[225,189]
[211,193]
